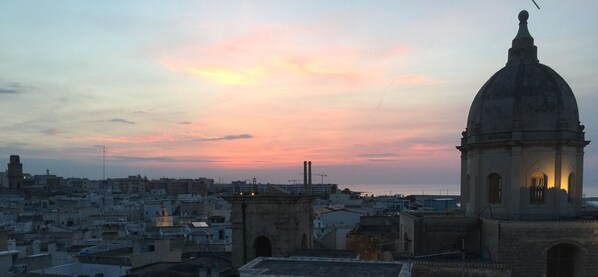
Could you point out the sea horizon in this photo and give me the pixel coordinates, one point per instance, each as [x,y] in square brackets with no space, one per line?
[404,189]
[424,189]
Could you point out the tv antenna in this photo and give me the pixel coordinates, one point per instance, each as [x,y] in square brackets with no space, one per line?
[103,161]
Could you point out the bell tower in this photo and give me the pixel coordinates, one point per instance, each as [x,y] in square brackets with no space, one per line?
[15,172]
[271,224]
[522,151]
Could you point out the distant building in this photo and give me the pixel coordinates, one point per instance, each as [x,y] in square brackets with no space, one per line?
[375,237]
[271,224]
[131,184]
[15,172]
[3,179]
[332,225]
[209,265]
[48,181]
[238,187]
[163,219]
[345,200]
[198,186]
[7,256]
[152,209]
[141,253]
[440,204]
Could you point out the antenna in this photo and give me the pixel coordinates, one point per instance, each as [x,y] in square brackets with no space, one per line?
[536,4]
[103,161]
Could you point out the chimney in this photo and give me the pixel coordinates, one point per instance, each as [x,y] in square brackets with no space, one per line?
[309,173]
[308,188]
[304,173]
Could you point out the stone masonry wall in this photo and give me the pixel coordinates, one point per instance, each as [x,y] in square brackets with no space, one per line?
[283,220]
[524,245]
[457,269]
[443,234]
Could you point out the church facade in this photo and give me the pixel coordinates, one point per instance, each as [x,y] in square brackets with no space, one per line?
[521,179]
[522,151]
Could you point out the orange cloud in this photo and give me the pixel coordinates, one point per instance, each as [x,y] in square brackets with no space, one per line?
[412,79]
[298,98]
[226,76]
[285,54]
[323,68]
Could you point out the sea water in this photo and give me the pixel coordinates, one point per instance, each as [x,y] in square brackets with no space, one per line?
[429,189]
[405,189]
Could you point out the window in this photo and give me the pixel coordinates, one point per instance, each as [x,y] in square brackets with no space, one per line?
[494,188]
[406,242]
[537,188]
[263,248]
[561,261]
[570,187]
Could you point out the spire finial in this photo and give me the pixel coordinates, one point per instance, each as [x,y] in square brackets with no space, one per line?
[523,49]
[523,16]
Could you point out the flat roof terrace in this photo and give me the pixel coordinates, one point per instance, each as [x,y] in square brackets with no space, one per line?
[320,267]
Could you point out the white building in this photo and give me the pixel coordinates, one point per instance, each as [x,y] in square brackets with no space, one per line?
[332,226]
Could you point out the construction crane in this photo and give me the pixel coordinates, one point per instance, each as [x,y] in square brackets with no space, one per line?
[322,175]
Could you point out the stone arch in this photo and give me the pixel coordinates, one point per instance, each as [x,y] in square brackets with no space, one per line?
[263,247]
[494,188]
[563,259]
[578,245]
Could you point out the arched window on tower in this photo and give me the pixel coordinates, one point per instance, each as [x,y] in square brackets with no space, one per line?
[537,188]
[571,187]
[494,188]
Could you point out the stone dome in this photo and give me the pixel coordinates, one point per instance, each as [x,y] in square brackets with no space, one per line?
[524,101]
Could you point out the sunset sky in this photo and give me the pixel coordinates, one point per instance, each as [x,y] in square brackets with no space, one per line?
[370,91]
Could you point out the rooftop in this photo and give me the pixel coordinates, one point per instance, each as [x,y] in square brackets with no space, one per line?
[320,267]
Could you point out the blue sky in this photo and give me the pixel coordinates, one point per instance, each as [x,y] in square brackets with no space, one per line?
[371,92]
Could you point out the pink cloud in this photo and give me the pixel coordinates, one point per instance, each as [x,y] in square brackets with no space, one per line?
[273,55]
[415,79]
[412,79]
[285,87]
[281,135]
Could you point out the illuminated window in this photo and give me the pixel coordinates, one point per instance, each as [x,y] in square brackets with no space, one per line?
[570,187]
[537,188]
[494,188]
